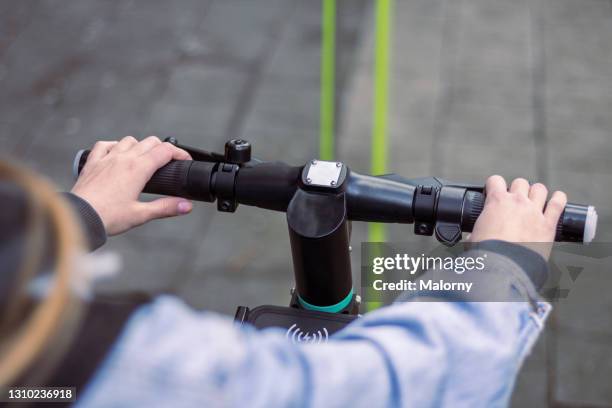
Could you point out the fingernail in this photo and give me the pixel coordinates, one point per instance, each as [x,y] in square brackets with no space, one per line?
[184,207]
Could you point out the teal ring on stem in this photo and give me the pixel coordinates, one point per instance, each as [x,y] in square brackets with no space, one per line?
[327,309]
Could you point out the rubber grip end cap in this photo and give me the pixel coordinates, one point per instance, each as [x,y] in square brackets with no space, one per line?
[590,225]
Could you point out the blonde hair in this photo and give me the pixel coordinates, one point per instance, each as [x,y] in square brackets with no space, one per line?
[50,320]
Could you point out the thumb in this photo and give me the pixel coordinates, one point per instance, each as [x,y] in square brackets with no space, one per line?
[165,207]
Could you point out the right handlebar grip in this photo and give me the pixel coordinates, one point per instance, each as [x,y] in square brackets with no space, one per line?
[577,223]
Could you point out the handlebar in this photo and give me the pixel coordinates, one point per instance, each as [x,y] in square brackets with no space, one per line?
[433,205]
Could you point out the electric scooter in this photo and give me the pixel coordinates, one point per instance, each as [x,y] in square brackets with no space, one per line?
[320,199]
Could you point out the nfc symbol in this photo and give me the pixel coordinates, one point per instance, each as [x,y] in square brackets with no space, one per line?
[296,335]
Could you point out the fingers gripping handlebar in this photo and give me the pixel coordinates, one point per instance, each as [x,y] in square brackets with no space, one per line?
[433,205]
[443,208]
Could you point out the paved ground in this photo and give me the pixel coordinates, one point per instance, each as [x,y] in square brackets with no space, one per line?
[203,71]
[520,88]
[479,86]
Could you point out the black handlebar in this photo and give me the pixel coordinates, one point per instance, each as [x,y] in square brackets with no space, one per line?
[433,205]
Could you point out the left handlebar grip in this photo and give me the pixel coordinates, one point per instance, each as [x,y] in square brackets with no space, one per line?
[171,179]
[180,178]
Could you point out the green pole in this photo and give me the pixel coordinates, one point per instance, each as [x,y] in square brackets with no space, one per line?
[377,232]
[382,64]
[328,73]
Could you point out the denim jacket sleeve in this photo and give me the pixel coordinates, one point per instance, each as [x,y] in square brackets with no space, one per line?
[413,354]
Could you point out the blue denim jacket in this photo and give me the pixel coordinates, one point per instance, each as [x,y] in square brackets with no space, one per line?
[413,354]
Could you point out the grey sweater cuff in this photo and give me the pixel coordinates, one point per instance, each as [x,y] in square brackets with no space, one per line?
[532,263]
[93,228]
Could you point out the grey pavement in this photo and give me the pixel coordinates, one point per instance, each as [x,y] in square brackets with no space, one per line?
[520,88]
[202,71]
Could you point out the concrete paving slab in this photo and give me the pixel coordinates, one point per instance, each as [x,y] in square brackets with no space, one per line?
[167,117]
[205,87]
[577,37]
[228,247]
[584,367]
[487,124]
[241,29]
[493,34]
[506,88]
[287,105]
[585,151]
[54,164]
[244,259]
[412,98]
[50,41]
[269,142]
[586,187]
[150,265]
[531,388]
[222,294]
[298,54]
[92,110]
[475,163]
[8,139]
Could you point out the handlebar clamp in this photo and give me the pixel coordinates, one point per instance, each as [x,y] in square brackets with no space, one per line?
[225,180]
[449,213]
[424,207]
[439,210]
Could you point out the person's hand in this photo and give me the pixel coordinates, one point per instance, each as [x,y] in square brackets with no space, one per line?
[519,215]
[116,173]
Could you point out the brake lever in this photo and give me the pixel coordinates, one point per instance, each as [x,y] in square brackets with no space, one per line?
[197,154]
